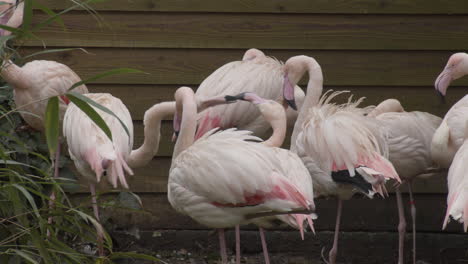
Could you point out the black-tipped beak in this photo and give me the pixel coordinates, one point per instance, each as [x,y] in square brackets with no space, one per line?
[441,96]
[292,104]
[232,99]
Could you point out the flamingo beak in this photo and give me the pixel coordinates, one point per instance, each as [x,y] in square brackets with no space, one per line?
[176,126]
[442,83]
[288,93]
[247,96]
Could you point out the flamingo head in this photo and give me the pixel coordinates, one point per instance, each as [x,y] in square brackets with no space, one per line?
[457,67]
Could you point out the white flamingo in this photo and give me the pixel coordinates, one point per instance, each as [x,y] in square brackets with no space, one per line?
[409,136]
[224,179]
[256,73]
[93,152]
[337,143]
[449,141]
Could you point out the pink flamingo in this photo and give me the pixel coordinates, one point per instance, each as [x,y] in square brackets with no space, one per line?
[253,183]
[409,136]
[11,14]
[256,73]
[337,143]
[449,141]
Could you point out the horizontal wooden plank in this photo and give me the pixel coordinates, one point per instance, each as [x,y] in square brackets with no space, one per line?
[265,31]
[201,246]
[138,98]
[359,214]
[279,6]
[191,66]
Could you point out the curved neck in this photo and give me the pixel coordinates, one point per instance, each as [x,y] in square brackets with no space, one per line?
[152,121]
[441,150]
[277,120]
[186,105]
[12,74]
[313,93]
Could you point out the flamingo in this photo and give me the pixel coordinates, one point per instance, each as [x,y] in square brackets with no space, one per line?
[409,136]
[224,179]
[256,73]
[11,14]
[93,152]
[33,84]
[337,143]
[449,142]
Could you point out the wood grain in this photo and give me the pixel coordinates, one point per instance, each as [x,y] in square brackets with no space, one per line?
[280,6]
[191,66]
[264,31]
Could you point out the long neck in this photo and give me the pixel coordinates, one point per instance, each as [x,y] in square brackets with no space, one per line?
[12,74]
[187,105]
[152,121]
[312,97]
[277,120]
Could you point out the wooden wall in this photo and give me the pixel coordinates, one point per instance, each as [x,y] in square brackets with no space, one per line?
[375,48]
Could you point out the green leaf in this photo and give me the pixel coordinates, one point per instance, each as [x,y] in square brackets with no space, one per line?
[134,255]
[29,197]
[27,15]
[83,102]
[51,13]
[25,255]
[101,107]
[52,124]
[52,51]
[105,74]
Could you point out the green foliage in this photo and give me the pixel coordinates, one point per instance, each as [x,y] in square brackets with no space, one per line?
[27,234]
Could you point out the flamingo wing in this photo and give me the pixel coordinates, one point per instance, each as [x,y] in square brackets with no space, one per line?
[222,178]
[346,146]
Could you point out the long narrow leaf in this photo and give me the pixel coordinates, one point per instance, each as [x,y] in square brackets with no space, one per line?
[52,124]
[52,51]
[27,14]
[105,74]
[100,107]
[133,255]
[82,102]
[51,13]
[25,255]
[29,197]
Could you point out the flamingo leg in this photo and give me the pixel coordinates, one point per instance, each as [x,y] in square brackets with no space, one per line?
[401,226]
[334,250]
[50,220]
[100,239]
[264,246]
[222,246]
[237,245]
[413,219]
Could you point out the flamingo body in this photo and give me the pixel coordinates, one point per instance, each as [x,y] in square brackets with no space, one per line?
[91,150]
[243,178]
[37,80]
[260,74]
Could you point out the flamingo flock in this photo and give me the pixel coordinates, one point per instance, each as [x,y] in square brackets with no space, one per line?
[223,175]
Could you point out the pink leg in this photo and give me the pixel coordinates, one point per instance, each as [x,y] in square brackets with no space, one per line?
[401,226]
[50,220]
[413,219]
[100,239]
[237,245]
[222,246]
[334,250]
[264,246]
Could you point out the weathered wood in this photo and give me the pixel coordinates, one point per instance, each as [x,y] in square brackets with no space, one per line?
[359,214]
[265,31]
[138,98]
[191,66]
[280,6]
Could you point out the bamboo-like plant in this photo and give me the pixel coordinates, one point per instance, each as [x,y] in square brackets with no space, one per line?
[26,172]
